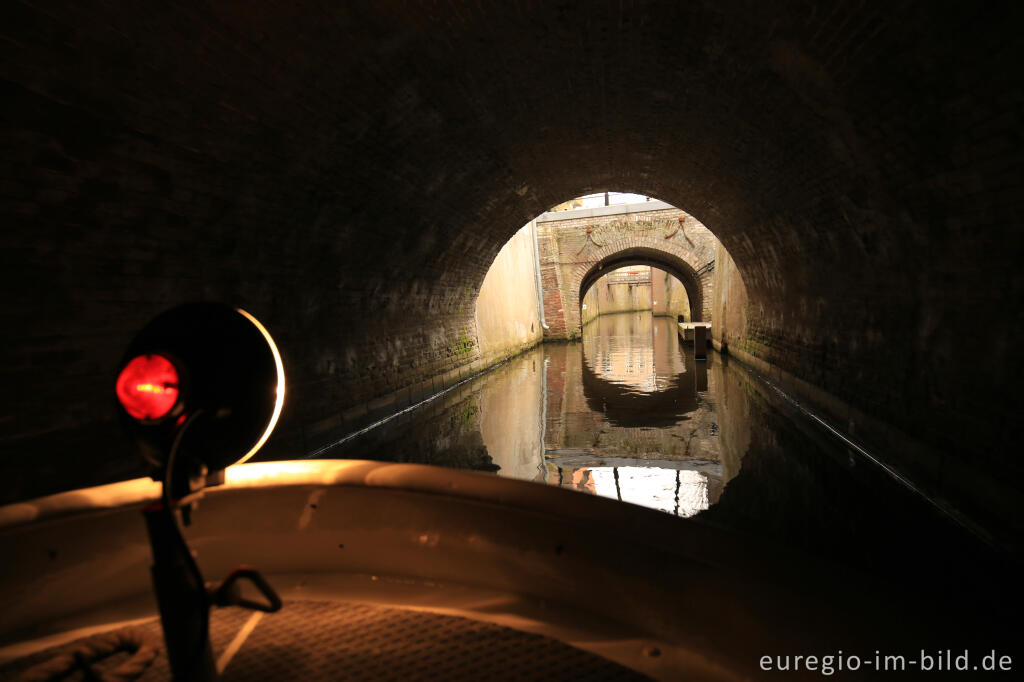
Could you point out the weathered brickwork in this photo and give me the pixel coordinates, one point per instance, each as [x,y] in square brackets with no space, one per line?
[348,172]
[550,282]
[581,249]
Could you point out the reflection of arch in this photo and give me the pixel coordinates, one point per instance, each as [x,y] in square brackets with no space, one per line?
[626,408]
[622,403]
[679,262]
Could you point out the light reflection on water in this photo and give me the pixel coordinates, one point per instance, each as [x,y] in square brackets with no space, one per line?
[676,491]
[628,410]
[634,350]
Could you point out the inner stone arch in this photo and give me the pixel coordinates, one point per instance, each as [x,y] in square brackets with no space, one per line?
[579,247]
[698,287]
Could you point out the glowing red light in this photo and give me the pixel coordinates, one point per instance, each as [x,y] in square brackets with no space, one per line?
[148,387]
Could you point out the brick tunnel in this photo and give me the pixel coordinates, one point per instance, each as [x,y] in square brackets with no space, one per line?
[349,174]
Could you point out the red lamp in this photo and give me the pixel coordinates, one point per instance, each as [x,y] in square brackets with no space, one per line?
[207,375]
[147,387]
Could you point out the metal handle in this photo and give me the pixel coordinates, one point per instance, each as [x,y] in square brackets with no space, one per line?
[229,592]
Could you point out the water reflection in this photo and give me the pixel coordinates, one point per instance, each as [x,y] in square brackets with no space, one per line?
[635,350]
[630,401]
[676,491]
[625,414]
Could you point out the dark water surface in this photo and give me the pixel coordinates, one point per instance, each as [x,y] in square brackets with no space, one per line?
[628,414]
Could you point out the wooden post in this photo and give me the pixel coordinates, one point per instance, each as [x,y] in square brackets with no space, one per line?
[700,342]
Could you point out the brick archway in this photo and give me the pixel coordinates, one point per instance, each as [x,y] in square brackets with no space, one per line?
[682,263]
[578,249]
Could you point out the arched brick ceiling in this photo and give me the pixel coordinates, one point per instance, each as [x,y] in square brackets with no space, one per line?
[349,170]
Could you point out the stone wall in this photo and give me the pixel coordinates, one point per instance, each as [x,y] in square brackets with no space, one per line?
[507,310]
[670,296]
[622,291]
[589,308]
[729,305]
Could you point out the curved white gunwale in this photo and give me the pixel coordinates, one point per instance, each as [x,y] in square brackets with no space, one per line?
[613,578]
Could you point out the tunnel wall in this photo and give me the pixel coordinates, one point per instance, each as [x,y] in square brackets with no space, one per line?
[107,226]
[729,306]
[348,173]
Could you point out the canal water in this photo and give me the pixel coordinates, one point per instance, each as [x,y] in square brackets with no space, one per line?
[629,414]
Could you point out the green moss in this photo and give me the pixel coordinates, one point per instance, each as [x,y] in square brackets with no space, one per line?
[467,415]
[463,346]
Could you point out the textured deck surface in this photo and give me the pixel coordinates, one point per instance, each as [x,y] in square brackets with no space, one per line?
[335,641]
